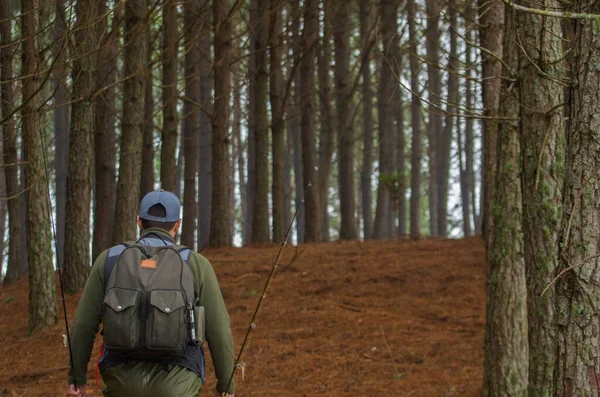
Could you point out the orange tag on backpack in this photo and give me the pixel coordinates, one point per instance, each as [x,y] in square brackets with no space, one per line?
[148,263]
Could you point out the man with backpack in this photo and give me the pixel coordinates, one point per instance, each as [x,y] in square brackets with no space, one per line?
[154,299]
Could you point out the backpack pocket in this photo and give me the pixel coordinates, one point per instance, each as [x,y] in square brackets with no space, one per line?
[166,328]
[121,317]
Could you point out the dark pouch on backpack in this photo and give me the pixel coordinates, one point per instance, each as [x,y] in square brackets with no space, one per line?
[121,318]
[165,327]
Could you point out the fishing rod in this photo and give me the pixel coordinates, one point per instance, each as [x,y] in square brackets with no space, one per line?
[62,291]
[238,362]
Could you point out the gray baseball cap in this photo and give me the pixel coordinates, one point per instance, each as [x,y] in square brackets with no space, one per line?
[166,199]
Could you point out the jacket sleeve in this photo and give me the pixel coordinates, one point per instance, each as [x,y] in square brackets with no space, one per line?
[218,329]
[86,322]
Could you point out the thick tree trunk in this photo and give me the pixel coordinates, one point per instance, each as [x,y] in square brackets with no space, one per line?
[278,116]
[79,187]
[260,219]
[328,123]
[445,139]
[147,184]
[42,290]
[543,156]
[168,163]
[415,107]
[389,40]
[191,119]
[9,146]
[434,129]
[105,138]
[220,233]
[205,141]
[130,162]
[366,36]
[506,347]
[310,35]
[491,38]
[61,125]
[578,307]
[343,96]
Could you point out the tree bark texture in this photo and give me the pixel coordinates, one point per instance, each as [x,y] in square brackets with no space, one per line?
[130,162]
[578,307]
[147,184]
[543,152]
[506,347]
[42,290]
[220,233]
[9,146]
[79,186]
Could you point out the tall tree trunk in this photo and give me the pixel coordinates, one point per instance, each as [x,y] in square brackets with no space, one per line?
[278,114]
[105,138]
[238,153]
[415,111]
[260,221]
[578,357]
[252,75]
[543,156]
[79,187]
[205,141]
[130,162]
[147,184]
[464,184]
[389,40]
[445,138]
[434,128]
[328,121]
[310,35]
[343,94]
[61,125]
[219,221]
[466,172]
[191,118]
[9,146]
[366,36]
[295,123]
[506,347]
[168,164]
[42,290]
[400,164]
[491,21]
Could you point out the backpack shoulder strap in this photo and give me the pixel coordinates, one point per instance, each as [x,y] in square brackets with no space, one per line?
[111,260]
[185,254]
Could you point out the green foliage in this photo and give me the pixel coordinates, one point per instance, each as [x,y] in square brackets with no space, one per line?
[9,299]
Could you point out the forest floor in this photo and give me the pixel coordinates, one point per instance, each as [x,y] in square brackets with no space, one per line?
[396,318]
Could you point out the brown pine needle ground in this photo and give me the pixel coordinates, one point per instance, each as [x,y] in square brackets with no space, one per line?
[398,318]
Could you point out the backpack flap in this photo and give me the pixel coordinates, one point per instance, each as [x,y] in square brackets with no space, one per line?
[165,327]
[121,317]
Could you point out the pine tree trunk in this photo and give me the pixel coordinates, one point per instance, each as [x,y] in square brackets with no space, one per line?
[219,221]
[61,125]
[191,119]
[9,146]
[445,139]
[415,111]
[543,156]
[252,75]
[147,184]
[464,184]
[389,40]
[506,347]
[466,151]
[105,138]
[578,357]
[130,162]
[205,141]
[310,35]
[42,290]
[278,116]
[260,221]
[168,163]
[343,94]
[237,137]
[491,38]
[328,123]
[79,187]
[434,128]
[366,37]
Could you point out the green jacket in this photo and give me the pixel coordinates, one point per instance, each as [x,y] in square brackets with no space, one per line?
[86,322]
